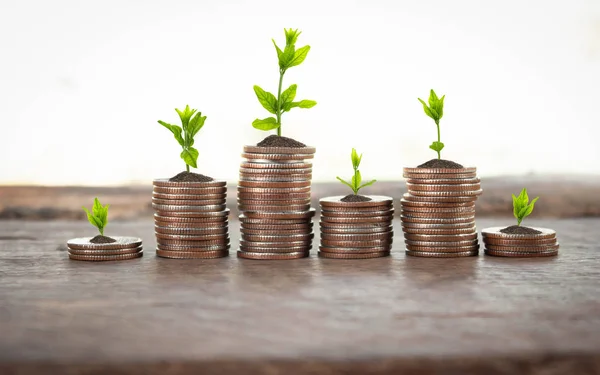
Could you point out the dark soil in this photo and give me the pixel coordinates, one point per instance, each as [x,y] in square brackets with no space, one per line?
[517,229]
[190,177]
[102,239]
[278,141]
[355,198]
[440,163]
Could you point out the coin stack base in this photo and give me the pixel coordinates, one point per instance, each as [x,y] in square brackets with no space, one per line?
[438,212]
[274,201]
[541,244]
[356,230]
[123,248]
[191,219]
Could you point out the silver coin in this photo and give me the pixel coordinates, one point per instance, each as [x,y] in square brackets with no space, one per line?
[171,208]
[470,224]
[131,250]
[83,243]
[443,244]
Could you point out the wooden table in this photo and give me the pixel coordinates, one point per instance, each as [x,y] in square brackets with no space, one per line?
[480,315]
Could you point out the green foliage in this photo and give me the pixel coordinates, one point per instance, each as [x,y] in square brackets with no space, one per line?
[435,110]
[521,205]
[99,215]
[356,182]
[287,58]
[191,123]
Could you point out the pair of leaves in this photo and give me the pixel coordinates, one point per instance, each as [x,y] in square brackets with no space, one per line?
[270,103]
[521,205]
[355,158]
[290,57]
[99,215]
[435,110]
[191,123]
[356,182]
[437,146]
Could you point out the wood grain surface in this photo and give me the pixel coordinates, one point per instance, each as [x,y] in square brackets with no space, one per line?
[395,315]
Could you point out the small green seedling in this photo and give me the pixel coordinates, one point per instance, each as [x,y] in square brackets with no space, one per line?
[191,123]
[289,57]
[435,110]
[521,206]
[356,182]
[99,215]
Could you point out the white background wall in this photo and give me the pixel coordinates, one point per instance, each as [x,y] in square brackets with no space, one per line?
[82,84]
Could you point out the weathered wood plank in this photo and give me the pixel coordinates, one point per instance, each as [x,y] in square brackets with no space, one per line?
[473,315]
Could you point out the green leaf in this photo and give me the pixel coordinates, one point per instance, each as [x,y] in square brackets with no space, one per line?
[196,123]
[516,207]
[185,116]
[266,124]
[268,100]
[291,36]
[97,208]
[176,130]
[529,208]
[306,103]
[299,56]
[367,184]
[279,52]
[426,109]
[190,156]
[432,99]
[437,146]
[287,56]
[92,219]
[104,217]
[288,95]
[354,158]
[356,180]
[440,107]
[521,213]
[345,183]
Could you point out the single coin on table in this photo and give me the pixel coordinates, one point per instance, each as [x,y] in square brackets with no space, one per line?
[190,191]
[436,232]
[164,182]
[121,243]
[443,187]
[523,249]
[272,256]
[271,157]
[127,250]
[442,255]
[444,181]
[278,250]
[357,237]
[275,166]
[439,199]
[357,213]
[441,238]
[421,220]
[515,254]
[380,254]
[354,250]
[445,194]
[438,215]
[193,248]
[443,249]
[189,197]
[376,200]
[494,232]
[515,242]
[223,229]
[105,258]
[192,254]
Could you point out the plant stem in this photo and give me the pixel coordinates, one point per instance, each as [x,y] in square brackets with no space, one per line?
[187,168]
[519,222]
[437,123]
[281,73]
[355,188]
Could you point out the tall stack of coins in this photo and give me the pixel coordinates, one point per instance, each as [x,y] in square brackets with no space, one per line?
[122,249]
[542,244]
[356,230]
[438,212]
[190,219]
[274,201]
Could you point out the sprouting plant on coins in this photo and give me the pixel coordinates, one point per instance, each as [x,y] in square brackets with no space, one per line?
[521,205]
[191,123]
[99,215]
[356,182]
[289,57]
[435,110]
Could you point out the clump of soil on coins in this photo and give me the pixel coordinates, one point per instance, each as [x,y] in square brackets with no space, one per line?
[517,229]
[440,163]
[190,177]
[102,239]
[280,141]
[355,198]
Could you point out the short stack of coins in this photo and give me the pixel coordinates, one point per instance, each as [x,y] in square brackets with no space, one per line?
[356,230]
[438,212]
[123,248]
[274,202]
[191,219]
[542,244]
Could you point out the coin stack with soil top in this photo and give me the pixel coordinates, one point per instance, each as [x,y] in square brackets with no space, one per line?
[274,200]
[438,212]
[356,227]
[520,242]
[104,248]
[191,218]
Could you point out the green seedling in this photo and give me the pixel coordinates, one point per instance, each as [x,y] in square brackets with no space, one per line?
[521,206]
[191,123]
[356,182]
[435,110]
[99,215]
[289,57]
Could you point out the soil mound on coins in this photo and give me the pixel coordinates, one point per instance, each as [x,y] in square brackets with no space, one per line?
[278,141]
[517,229]
[190,177]
[440,163]
[355,198]
[102,239]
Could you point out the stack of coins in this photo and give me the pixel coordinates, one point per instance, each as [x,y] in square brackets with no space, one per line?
[274,201]
[356,230]
[124,248]
[190,219]
[438,212]
[543,244]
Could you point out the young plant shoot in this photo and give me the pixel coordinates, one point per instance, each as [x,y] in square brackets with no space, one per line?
[521,206]
[289,57]
[356,182]
[98,217]
[191,123]
[435,110]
